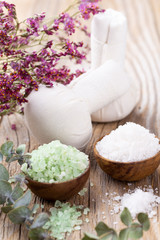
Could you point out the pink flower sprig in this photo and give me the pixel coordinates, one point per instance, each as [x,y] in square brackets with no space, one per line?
[32,52]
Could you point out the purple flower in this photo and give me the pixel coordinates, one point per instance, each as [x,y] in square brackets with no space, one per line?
[29,59]
[13,127]
[88,7]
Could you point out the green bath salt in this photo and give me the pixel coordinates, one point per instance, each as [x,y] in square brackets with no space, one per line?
[56,162]
[63,220]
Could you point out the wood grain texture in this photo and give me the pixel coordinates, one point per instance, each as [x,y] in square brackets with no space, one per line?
[143,64]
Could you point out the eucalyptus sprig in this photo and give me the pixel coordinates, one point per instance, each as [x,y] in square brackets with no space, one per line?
[12,154]
[134,230]
[15,203]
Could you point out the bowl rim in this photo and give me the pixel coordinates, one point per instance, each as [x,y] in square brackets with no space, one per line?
[118,162]
[27,177]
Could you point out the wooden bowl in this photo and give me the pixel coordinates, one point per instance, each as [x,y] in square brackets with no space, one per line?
[127,171]
[61,190]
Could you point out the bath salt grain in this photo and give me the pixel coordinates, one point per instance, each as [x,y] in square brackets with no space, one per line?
[129,143]
[56,162]
[137,200]
[64,219]
[140,201]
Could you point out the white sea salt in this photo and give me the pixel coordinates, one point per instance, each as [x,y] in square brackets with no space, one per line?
[130,142]
[137,201]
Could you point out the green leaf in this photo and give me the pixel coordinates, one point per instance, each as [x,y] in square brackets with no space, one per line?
[126,217]
[6,148]
[4,175]
[16,193]
[13,158]
[88,236]
[40,220]
[8,158]
[144,220]
[124,234]
[102,228]
[6,209]
[19,215]
[24,200]
[1,157]
[104,232]
[21,149]
[136,231]
[20,178]
[5,191]
[38,233]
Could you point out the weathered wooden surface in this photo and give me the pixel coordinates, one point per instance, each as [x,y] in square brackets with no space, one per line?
[143,64]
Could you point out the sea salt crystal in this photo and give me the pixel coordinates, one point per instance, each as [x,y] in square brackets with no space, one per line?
[86,211]
[115,223]
[82,192]
[140,201]
[87,220]
[91,184]
[136,201]
[117,198]
[128,143]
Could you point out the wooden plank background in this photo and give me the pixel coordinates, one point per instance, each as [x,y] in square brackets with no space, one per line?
[143,64]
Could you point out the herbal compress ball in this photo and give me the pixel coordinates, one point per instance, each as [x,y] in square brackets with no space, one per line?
[55,113]
[63,112]
[56,162]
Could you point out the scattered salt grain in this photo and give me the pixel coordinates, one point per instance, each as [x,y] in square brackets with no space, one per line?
[77,228]
[130,142]
[82,192]
[115,223]
[136,201]
[139,201]
[86,211]
[87,220]
[91,184]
